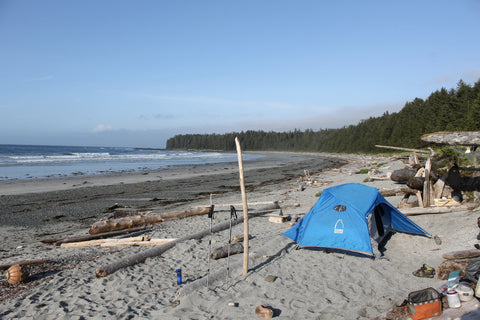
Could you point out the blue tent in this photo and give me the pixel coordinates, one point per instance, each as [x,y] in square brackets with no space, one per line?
[352,217]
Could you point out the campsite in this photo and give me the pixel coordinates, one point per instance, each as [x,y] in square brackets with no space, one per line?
[288,280]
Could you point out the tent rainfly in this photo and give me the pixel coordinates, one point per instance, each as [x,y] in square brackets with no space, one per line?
[352,217]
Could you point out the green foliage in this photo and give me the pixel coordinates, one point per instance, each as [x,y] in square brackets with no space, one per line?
[453,110]
[449,152]
[363,171]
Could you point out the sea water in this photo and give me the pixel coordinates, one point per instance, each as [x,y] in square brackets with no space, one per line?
[41,162]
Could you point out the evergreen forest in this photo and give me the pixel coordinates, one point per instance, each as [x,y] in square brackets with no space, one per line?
[444,110]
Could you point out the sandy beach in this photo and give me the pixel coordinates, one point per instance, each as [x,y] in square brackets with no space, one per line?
[308,284]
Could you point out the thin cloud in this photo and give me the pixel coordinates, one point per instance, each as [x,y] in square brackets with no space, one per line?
[102,128]
[156,116]
[45,78]
[446,79]
[240,103]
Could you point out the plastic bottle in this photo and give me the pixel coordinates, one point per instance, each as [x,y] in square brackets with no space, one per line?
[453,299]
[179,276]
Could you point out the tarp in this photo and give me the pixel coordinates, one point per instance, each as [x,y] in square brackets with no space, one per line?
[351,216]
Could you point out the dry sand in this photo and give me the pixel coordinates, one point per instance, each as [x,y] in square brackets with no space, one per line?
[309,284]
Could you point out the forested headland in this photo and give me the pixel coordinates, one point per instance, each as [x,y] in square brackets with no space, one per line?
[444,110]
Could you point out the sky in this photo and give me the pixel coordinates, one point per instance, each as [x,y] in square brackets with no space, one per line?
[135,73]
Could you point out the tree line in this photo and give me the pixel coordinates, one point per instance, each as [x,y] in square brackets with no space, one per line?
[444,110]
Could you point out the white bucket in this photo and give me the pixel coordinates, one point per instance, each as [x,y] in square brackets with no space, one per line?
[453,299]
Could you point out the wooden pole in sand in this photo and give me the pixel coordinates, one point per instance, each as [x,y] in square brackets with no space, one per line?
[245,208]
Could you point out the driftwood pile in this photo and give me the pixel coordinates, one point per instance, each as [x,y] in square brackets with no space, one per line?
[430,188]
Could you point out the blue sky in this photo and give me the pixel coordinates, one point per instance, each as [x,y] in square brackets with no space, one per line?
[134,73]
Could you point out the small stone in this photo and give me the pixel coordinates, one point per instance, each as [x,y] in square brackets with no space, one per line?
[437,239]
[270,278]
[264,312]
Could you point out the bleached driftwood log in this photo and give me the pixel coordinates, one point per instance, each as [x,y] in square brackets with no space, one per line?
[462,254]
[59,241]
[434,210]
[132,241]
[402,149]
[222,252]
[465,138]
[136,221]
[397,192]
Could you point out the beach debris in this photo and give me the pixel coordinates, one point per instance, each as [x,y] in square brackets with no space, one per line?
[16,274]
[142,220]
[437,240]
[227,250]
[432,210]
[270,278]
[112,208]
[233,304]
[23,263]
[240,238]
[264,312]
[140,241]
[462,254]
[59,241]
[274,218]
[403,175]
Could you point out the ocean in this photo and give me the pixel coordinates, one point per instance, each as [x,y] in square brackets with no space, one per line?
[43,162]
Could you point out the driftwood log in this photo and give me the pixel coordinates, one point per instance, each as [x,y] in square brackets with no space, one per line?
[397,192]
[156,251]
[433,210]
[143,220]
[23,263]
[104,235]
[465,138]
[222,252]
[463,254]
[402,175]
[403,149]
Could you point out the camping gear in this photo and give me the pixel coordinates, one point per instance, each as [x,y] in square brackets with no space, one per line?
[453,279]
[179,276]
[453,299]
[423,304]
[210,216]
[352,217]
[233,215]
[465,292]
[472,271]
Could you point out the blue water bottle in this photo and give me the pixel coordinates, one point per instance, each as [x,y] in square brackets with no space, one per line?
[179,276]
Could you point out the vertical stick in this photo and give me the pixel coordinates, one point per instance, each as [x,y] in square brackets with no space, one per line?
[245,208]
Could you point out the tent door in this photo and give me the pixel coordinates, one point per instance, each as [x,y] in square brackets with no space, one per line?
[378,213]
